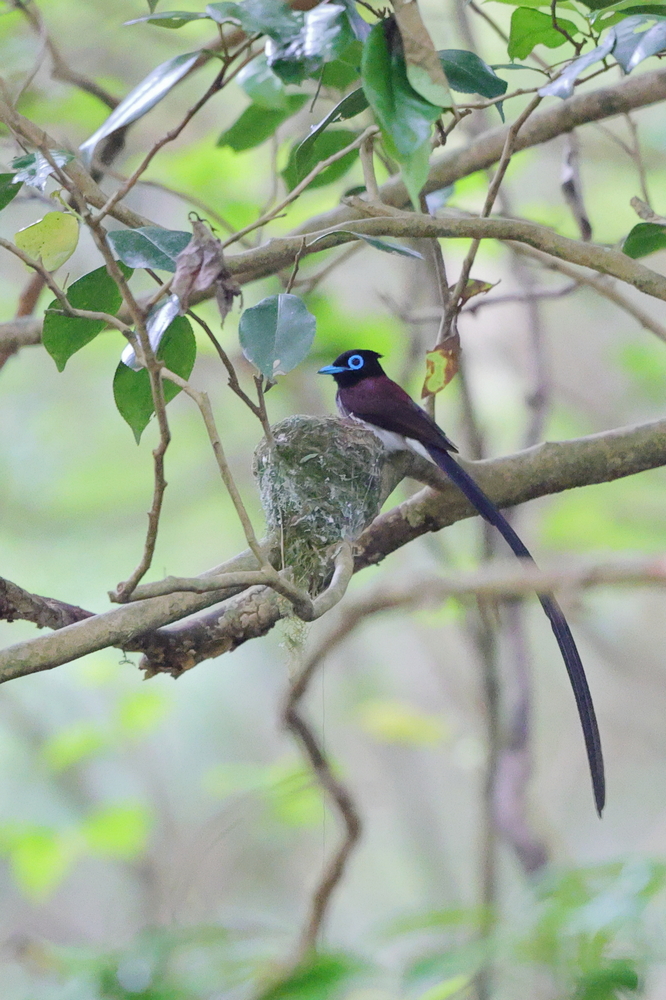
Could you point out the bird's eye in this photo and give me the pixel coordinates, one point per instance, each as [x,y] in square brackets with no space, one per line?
[356,362]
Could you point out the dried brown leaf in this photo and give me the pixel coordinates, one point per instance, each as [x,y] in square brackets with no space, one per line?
[200,267]
[424,70]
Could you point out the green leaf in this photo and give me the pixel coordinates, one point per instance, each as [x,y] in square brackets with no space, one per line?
[644,238]
[276,334]
[404,117]
[39,860]
[339,74]
[631,41]
[257,124]
[293,798]
[563,86]
[375,242]
[604,982]
[118,831]
[34,169]
[328,143]
[446,989]
[73,745]
[645,8]
[142,711]
[131,390]
[415,169]
[324,35]
[395,721]
[145,96]
[468,74]
[561,4]
[267,17]
[350,106]
[149,246]
[318,978]
[222,13]
[169,19]
[63,335]
[262,86]
[531,27]
[423,67]
[610,16]
[52,240]
[8,189]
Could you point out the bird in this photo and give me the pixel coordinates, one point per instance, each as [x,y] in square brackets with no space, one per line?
[368,396]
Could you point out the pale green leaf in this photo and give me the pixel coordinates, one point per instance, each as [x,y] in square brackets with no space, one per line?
[52,240]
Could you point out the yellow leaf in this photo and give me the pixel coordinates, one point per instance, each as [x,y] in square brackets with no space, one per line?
[441,366]
[398,722]
[475,286]
[53,239]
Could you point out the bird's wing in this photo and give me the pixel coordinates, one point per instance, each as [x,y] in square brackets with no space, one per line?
[383,403]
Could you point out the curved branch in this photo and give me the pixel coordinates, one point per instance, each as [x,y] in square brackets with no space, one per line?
[547,468]
[486,149]
[87,187]
[482,152]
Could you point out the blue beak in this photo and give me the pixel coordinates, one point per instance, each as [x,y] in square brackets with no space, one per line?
[331,370]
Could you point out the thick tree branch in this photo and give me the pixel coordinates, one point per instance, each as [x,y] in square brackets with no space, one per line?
[45,612]
[546,468]
[485,150]
[21,332]
[481,153]
[278,253]
[539,471]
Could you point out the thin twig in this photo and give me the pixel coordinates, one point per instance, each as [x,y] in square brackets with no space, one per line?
[599,282]
[294,271]
[263,413]
[492,101]
[311,282]
[141,342]
[502,34]
[638,157]
[202,401]
[338,793]
[367,163]
[68,309]
[172,134]
[316,170]
[232,380]
[493,190]
[558,27]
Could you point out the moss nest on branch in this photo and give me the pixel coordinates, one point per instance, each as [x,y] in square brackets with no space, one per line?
[322,481]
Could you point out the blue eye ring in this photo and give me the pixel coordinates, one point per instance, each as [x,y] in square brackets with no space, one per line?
[355,362]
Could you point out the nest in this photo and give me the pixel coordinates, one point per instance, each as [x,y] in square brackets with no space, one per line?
[321,482]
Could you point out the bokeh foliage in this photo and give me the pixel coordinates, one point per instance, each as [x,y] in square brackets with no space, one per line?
[121,804]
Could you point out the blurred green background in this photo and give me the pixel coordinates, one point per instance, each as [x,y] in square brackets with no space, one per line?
[160,839]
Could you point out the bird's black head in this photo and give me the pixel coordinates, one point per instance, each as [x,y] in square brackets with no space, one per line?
[353,366]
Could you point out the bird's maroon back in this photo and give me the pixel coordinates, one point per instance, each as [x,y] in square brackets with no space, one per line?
[380,401]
